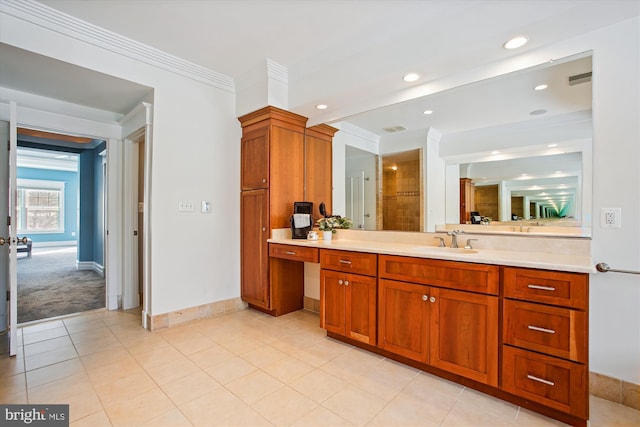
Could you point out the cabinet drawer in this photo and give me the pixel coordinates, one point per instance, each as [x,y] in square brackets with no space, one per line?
[556,331]
[549,287]
[556,383]
[294,253]
[450,274]
[349,262]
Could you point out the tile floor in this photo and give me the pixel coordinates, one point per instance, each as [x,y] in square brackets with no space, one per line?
[241,369]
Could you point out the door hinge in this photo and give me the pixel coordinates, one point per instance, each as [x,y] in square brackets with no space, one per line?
[8,221]
[8,295]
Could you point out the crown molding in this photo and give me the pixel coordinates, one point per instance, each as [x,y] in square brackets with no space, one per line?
[54,20]
[277,72]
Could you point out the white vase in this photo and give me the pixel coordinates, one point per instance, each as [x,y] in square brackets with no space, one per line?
[326,235]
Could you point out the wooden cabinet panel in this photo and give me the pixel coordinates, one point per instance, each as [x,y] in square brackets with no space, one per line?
[348,305]
[293,252]
[451,274]
[549,287]
[403,319]
[318,167]
[349,262]
[464,334]
[556,331]
[254,248]
[255,159]
[553,382]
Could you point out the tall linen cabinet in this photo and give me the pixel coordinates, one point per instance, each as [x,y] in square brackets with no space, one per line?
[274,175]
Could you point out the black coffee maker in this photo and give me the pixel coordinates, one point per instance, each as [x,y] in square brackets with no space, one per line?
[301,220]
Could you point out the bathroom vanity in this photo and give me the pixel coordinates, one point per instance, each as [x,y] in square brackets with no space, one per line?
[510,323]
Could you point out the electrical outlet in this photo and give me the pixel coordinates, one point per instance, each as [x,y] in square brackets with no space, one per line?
[611,217]
[185,206]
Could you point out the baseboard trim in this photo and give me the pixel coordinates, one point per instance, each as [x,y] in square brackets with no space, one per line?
[312,304]
[615,390]
[178,317]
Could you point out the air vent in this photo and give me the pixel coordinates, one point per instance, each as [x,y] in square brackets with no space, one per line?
[393,129]
[580,78]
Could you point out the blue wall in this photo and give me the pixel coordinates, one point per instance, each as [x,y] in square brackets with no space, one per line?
[70,201]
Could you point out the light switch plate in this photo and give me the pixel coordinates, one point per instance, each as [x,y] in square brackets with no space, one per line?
[205,207]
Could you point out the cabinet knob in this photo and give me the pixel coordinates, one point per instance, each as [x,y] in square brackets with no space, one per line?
[432,299]
[340,282]
[264,180]
[346,283]
[425,297]
[264,228]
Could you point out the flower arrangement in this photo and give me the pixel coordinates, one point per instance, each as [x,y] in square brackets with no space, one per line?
[331,223]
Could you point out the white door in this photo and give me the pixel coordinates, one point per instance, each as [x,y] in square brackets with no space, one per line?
[355,199]
[8,233]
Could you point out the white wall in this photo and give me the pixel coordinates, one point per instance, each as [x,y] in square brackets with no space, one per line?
[196,156]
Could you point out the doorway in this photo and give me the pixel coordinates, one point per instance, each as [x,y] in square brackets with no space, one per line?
[60,200]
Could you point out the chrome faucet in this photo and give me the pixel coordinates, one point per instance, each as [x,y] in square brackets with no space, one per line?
[441,242]
[454,237]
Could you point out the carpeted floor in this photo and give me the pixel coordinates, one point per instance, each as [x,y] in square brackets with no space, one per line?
[49,285]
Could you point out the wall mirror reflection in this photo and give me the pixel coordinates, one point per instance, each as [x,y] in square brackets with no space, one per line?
[514,150]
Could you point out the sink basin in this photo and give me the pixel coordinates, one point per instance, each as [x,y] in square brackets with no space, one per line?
[438,249]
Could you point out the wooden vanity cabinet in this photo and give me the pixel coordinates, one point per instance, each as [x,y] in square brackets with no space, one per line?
[348,289]
[545,338]
[423,319]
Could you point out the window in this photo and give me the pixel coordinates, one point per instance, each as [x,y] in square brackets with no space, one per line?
[40,206]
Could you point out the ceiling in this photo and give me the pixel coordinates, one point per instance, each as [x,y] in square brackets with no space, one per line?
[348,54]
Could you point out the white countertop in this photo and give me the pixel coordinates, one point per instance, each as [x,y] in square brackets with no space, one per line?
[529,259]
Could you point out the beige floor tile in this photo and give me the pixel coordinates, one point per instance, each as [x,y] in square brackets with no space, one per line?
[10,366]
[143,343]
[41,326]
[55,372]
[263,356]
[51,357]
[387,379]
[318,385]
[190,387]
[426,381]
[322,352]
[80,405]
[97,419]
[355,405]
[158,356]
[211,356]
[288,369]
[95,334]
[532,419]
[505,410]
[230,370]
[173,418]
[90,346]
[606,413]
[284,406]
[321,417]
[193,344]
[105,357]
[139,408]
[245,417]
[108,373]
[240,346]
[125,388]
[47,345]
[171,371]
[213,407]
[254,386]
[12,397]
[60,389]
[351,364]
[88,325]
[467,415]
[16,382]
[46,334]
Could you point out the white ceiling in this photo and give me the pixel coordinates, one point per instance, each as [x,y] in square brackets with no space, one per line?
[348,54]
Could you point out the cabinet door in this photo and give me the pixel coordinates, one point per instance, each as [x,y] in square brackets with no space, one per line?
[255,159]
[332,298]
[403,322]
[254,257]
[360,308]
[318,169]
[464,334]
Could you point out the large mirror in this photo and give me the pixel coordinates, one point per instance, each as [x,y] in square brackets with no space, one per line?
[507,154]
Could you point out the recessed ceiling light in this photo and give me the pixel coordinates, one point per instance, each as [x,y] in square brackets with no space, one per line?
[411,77]
[495,152]
[516,42]
[523,174]
[321,107]
[427,112]
[552,145]
[558,171]
[538,112]
[540,87]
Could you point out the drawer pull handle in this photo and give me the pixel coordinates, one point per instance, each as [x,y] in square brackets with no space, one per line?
[542,288]
[539,329]
[346,283]
[290,253]
[340,282]
[425,298]
[540,380]
[345,261]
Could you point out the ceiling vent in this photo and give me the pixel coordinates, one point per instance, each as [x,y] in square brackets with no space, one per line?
[579,79]
[393,129]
